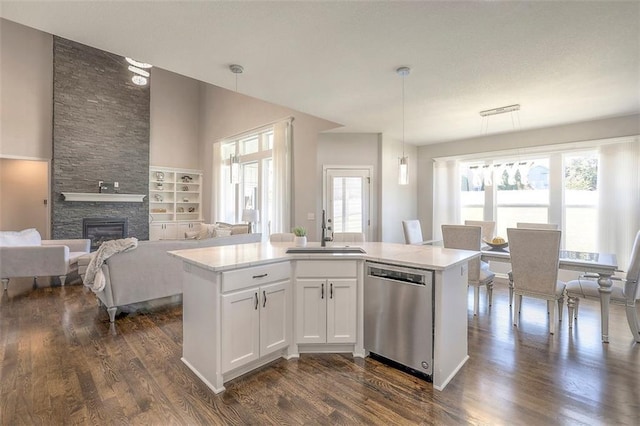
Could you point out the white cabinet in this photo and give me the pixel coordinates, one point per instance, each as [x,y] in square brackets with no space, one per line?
[163,231]
[175,195]
[255,321]
[326,309]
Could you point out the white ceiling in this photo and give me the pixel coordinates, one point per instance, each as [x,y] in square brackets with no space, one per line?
[564,62]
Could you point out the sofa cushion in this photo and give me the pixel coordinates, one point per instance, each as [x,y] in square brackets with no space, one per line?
[24,238]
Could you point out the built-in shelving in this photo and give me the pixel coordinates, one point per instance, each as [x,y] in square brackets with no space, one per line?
[175,198]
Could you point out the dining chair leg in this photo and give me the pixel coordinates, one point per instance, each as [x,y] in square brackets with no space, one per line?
[560,305]
[476,300]
[490,294]
[632,319]
[552,319]
[516,310]
[510,288]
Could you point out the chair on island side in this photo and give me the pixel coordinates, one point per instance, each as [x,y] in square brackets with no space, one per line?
[412,231]
[466,237]
[535,256]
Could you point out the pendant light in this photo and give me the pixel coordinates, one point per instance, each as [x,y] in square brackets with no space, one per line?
[234,160]
[403,169]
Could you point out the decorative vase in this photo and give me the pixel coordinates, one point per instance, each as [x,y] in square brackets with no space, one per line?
[300,241]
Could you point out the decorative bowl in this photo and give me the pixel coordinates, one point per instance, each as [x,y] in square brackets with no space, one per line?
[497,246]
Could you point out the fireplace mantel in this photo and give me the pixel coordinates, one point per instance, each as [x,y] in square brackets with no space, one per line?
[104,198]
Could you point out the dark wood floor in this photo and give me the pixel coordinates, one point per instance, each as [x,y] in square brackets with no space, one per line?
[62,363]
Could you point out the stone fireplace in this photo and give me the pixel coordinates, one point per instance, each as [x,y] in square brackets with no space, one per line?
[99,230]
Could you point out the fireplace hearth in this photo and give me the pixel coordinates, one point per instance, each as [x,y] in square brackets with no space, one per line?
[99,230]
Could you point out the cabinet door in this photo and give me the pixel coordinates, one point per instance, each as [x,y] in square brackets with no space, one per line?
[311,311]
[156,231]
[275,317]
[240,324]
[183,228]
[341,311]
[171,231]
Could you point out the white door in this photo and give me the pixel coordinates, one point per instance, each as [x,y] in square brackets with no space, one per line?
[347,200]
[311,311]
[240,328]
[24,195]
[274,317]
[341,311]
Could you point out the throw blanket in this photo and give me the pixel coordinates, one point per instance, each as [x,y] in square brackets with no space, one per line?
[94,278]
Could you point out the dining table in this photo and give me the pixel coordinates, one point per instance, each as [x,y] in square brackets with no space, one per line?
[603,264]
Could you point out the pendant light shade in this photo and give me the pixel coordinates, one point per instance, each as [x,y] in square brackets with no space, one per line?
[403,171]
[234,163]
[403,166]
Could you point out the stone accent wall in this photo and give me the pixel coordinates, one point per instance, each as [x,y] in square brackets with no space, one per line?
[100,132]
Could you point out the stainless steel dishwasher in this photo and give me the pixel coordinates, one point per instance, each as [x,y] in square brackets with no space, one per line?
[398,315]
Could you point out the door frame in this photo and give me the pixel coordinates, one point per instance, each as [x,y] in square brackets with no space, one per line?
[369,169]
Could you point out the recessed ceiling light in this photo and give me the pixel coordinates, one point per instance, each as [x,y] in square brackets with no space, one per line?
[139,80]
[138,71]
[138,63]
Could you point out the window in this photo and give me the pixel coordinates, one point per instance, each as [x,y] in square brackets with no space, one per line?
[522,193]
[580,201]
[255,188]
[513,190]
[261,160]
[472,196]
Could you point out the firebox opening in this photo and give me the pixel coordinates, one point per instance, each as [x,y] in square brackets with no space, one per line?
[99,230]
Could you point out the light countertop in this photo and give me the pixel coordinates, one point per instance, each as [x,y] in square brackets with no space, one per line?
[223,258]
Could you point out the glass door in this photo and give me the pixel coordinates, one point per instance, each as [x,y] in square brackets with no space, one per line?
[347,200]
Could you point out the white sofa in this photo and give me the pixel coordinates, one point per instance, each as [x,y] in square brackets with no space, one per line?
[25,254]
[148,272]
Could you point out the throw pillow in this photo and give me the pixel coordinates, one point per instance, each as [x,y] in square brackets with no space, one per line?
[223,232]
[207,230]
[26,237]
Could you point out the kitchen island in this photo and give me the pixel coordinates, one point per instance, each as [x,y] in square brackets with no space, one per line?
[247,305]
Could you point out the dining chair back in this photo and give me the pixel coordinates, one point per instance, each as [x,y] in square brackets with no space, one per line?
[466,237]
[530,225]
[527,225]
[282,237]
[535,257]
[488,228]
[348,237]
[626,294]
[412,231]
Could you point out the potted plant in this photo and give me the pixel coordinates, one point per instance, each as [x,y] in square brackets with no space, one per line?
[300,239]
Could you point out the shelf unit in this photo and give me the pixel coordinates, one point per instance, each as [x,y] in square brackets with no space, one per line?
[175,201]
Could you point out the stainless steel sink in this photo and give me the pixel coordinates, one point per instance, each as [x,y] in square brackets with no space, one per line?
[325,250]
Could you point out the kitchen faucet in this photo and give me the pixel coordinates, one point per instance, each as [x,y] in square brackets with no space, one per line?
[324,238]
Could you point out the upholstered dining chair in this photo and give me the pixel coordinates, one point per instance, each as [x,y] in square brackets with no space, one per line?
[627,294]
[281,237]
[412,231]
[528,225]
[488,232]
[535,257]
[348,237]
[488,227]
[465,237]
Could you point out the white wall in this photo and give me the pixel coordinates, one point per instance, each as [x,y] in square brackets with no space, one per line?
[577,132]
[353,149]
[397,202]
[224,113]
[26,92]
[174,138]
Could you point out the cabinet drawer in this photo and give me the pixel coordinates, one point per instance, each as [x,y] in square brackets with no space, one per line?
[258,275]
[326,268]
